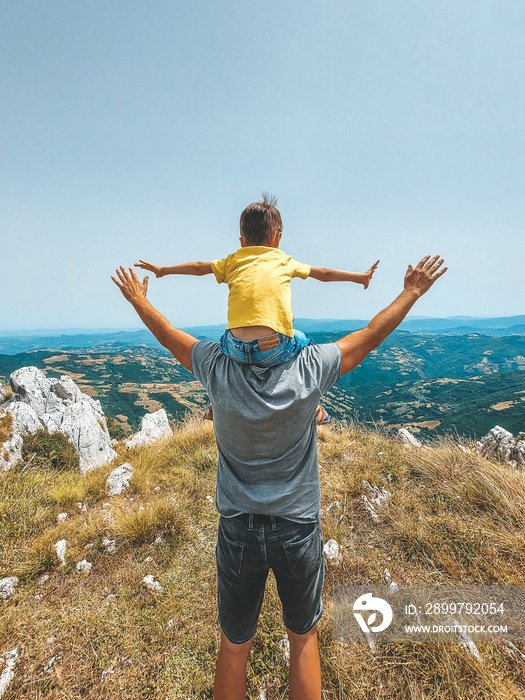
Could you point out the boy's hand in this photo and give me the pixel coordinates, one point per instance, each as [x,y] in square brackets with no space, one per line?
[130,285]
[423,276]
[368,274]
[156,269]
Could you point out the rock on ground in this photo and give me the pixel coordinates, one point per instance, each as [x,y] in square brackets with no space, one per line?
[332,551]
[11,659]
[118,480]
[408,439]
[153,427]
[7,586]
[501,444]
[60,549]
[152,585]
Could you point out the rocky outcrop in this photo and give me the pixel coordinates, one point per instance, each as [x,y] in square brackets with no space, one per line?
[153,427]
[40,403]
[118,480]
[408,440]
[502,445]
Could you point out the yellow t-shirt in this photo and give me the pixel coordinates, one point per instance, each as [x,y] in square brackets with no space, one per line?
[259,281]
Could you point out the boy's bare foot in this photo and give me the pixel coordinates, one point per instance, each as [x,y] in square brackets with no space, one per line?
[321,416]
[209,413]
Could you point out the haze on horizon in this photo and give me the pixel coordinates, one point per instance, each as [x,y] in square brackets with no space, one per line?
[136,130]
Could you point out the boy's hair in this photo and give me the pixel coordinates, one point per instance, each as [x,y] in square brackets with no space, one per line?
[260,220]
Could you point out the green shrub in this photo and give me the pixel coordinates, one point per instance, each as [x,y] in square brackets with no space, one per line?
[50,450]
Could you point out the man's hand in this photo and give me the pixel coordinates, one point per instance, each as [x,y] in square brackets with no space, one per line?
[178,342]
[156,269]
[423,276]
[369,273]
[130,285]
[357,345]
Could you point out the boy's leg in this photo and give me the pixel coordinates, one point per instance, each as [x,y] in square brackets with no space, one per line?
[305,666]
[230,671]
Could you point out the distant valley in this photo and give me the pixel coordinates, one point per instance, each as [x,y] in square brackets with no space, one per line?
[432,383]
[114,339]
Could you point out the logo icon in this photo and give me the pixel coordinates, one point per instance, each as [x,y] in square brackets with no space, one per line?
[368,602]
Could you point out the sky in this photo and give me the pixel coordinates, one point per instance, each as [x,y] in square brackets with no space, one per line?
[134,129]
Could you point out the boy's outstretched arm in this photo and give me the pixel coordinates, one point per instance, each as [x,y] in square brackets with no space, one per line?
[192,268]
[176,341]
[357,345]
[325,274]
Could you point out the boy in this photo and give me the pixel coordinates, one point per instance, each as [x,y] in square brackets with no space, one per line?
[260,317]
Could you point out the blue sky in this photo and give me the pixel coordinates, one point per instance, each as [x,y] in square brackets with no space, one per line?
[134,129]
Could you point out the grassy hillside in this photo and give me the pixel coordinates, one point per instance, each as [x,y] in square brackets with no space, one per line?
[453,517]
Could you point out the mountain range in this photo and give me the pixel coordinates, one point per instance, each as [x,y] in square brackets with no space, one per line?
[21,341]
[430,382]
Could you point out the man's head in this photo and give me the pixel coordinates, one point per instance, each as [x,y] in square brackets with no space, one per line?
[261,223]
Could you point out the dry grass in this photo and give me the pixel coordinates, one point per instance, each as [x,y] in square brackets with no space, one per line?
[453,517]
[6,424]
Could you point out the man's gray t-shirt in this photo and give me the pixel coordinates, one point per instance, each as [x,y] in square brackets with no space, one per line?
[265,428]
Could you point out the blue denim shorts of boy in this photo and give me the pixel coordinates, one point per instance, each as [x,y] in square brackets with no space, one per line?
[248,352]
[248,546]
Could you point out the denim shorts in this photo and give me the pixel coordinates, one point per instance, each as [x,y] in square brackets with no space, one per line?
[248,546]
[247,351]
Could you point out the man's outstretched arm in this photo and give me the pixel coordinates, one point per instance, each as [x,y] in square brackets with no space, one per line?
[177,342]
[356,346]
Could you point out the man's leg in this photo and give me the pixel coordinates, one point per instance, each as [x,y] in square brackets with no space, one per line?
[230,671]
[305,666]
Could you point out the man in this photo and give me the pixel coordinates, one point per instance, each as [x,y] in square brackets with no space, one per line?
[267,477]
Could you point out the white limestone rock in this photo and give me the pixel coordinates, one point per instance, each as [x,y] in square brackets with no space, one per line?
[59,405]
[392,585]
[465,640]
[284,645]
[7,586]
[10,452]
[11,659]
[332,551]
[84,565]
[408,439]
[110,545]
[502,445]
[31,386]
[66,389]
[61,517]
[89,435]
[153,427]
[4,394]
[24,418]
[60,549]
[370,508]
[118,480]
[378,496]
[374,498]
[152,585]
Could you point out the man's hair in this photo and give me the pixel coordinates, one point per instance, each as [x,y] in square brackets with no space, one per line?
[260,220]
